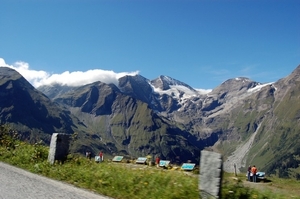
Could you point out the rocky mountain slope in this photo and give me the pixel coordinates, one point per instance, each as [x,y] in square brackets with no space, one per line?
[25,108]
[248,122]
[101,115]
[271,114]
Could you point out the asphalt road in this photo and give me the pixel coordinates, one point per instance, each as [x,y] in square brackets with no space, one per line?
[16,183]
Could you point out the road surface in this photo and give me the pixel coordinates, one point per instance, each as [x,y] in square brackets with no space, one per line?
[16,183]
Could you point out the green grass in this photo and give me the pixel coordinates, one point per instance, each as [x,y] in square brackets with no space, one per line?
[273,187]
[129,180]
[117,180]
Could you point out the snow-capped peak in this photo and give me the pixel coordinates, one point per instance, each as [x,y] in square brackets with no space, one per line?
[165,83]
[172,87]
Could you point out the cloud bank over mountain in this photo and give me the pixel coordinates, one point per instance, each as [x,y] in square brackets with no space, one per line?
[75,78]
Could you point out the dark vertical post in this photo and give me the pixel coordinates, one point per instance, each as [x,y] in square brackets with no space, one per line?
[59,147]
[234,169]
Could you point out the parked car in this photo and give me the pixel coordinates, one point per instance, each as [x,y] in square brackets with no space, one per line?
[260,176]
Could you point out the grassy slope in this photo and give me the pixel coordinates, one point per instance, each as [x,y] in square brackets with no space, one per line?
[128,180]
[277,144]
[275,149]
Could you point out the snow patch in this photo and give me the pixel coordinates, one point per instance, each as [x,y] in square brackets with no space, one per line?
[177,91]
[258,87]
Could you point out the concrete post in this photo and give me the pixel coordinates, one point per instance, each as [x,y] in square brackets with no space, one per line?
[210,177]
[59,147]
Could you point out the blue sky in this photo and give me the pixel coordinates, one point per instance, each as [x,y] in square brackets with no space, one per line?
[201,43]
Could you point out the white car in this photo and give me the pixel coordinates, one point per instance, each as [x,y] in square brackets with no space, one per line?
[260,176]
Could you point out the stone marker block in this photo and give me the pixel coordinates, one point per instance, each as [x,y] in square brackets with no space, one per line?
[210,178]
[59,147]
[117,159]
[164,163]
[188,166]
[141,160]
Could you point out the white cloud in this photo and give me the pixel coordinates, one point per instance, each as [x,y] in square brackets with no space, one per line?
[33,76]
[2,62]
[76,78]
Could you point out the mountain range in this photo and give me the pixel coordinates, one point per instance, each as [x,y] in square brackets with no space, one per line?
[246,121]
